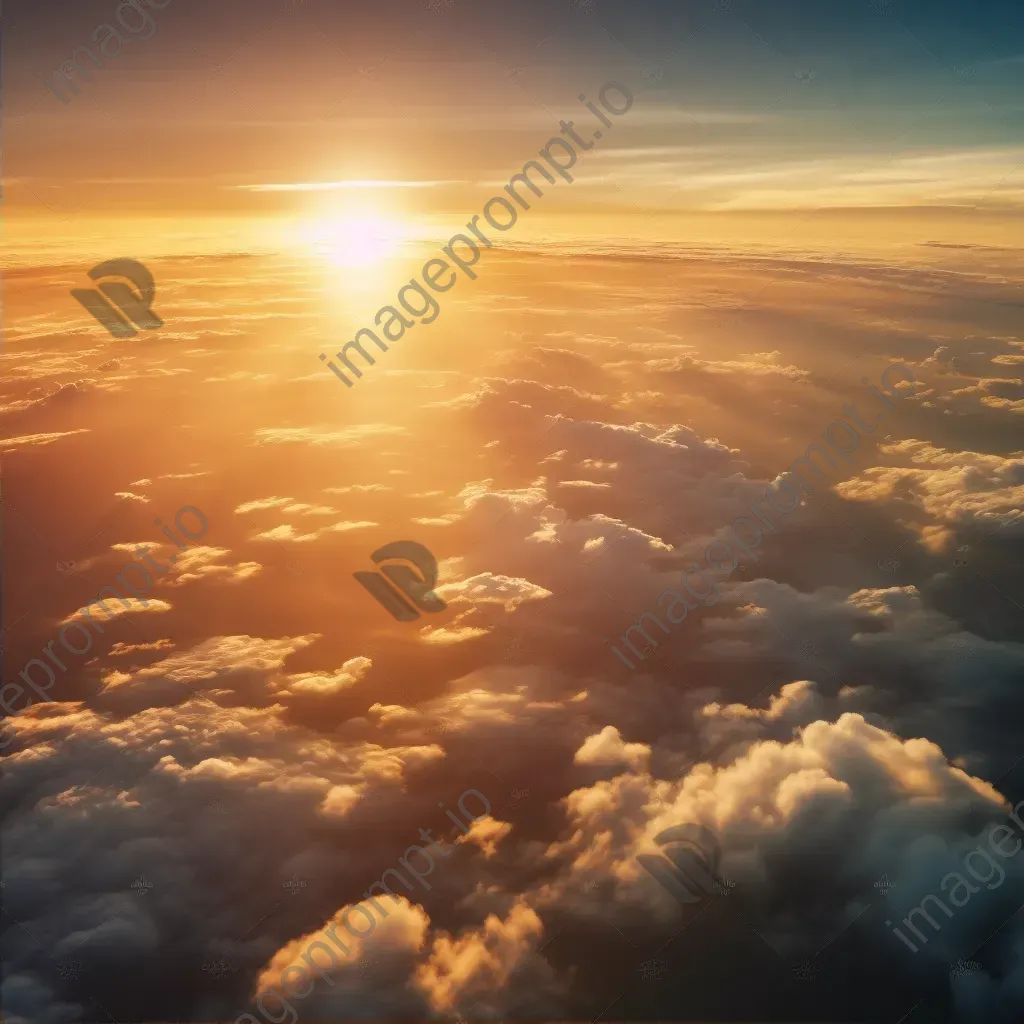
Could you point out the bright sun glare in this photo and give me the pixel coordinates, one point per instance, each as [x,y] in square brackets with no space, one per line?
[350,241]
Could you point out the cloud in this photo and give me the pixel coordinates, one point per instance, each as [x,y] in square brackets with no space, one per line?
[942,490]
[325,684]
[447,635]
[233,669]
[486,588]
[608,748]
[33,440]
[471,971]
[756,365]
[319,438]
[287,532]
[486,833]
[125,606]
[301,508]
[358,489]
[201,563]
[332,186]
[585,485]
[262,503]
[120,649]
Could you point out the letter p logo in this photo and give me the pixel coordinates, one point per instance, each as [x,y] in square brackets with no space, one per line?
[690,862]
[134,304]
[406,591]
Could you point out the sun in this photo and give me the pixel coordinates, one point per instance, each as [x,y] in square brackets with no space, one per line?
[355,240]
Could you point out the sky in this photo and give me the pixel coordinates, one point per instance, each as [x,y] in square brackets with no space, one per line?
[766,302]
[742,107]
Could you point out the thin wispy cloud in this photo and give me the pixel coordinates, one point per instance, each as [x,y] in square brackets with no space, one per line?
[335,186]
[998,62]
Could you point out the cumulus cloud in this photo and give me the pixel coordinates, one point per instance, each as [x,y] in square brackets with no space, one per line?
[399,936]
[472,971]
[608,748]
[203,563]
[942,490]
[486,588]
[125,606]
[486,833]
[321,684]
[233,669]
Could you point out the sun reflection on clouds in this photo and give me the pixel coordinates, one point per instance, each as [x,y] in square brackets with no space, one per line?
[353,241]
